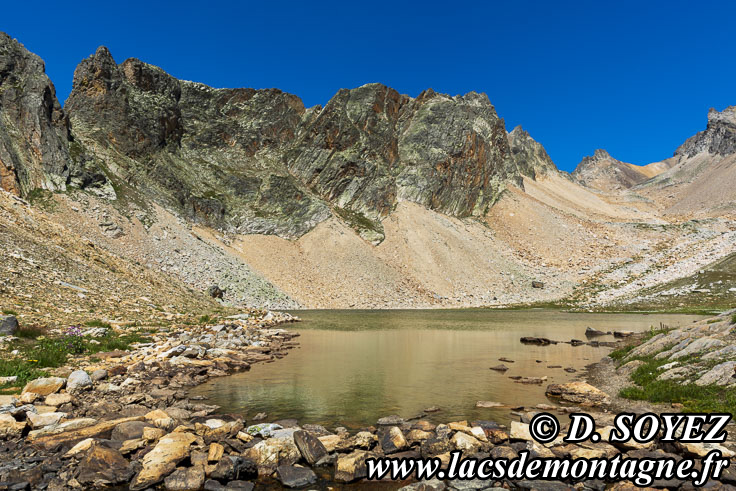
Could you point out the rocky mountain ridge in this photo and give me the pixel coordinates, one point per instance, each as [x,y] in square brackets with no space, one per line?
[256,161]
[376,199]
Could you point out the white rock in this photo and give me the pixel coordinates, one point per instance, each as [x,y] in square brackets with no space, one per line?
[42,420]
[78,379]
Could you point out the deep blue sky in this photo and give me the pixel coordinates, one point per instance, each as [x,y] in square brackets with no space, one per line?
[634,79]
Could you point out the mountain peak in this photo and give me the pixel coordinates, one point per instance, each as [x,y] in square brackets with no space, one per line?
[718,138]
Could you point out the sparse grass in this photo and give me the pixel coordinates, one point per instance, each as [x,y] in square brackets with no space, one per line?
[29,332]
[37,354]
[47,353]
[358,221]
[205,319]
[113,342]
[24,370]
[621,353]
[43,199]
[98,323]
[9,312]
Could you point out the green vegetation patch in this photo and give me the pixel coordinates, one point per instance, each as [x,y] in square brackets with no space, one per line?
[361,223]
[621,353]
[694,398]
[38,352]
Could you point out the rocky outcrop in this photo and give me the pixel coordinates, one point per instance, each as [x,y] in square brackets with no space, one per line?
[213,154]
[255,161]
[34,133]
[719,137]
[370,147]
[529,155]
[603,172]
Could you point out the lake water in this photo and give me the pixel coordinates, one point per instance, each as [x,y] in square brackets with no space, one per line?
[353,367]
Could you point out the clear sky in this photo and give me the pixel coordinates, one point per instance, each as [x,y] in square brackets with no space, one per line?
[633,77]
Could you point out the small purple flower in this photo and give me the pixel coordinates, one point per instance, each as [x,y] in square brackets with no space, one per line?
[74,339]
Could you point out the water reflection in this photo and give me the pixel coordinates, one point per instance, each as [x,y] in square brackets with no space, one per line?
[355,366]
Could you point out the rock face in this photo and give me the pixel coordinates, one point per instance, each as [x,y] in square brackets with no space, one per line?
[34,136]
[257,161]
[214,154]
[719,137]
[372,146]
[529,155]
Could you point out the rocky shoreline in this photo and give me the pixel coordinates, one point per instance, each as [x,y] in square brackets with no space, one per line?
[124,420]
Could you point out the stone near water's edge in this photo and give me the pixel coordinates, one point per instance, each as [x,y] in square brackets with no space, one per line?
[578,392]
[309,446]
[162,460]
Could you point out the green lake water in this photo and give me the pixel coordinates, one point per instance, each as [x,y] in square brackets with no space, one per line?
[353,367]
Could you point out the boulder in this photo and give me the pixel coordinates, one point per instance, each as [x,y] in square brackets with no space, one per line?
[702,449]
[466,443]
[190,479]
[232,468]
[264,430]
[151,434]
[8,325]
[9,427]
[309,446]
[295,477]
[330,442]
[579,393]
[432,485]
[29,397]
[504,452]
[433,446]
[352,467]
[271,453]
[45,386]
[392,420]
[80,448]
[98,375]
[500,368]
[520,431]
[46,419]
[79,379]
[103,465]
[697,346]
[591,333]
[215,452]
[160,419]
[130,430]
[392,440]
[57,400]
[162,460]
[537,284]
[537,341]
